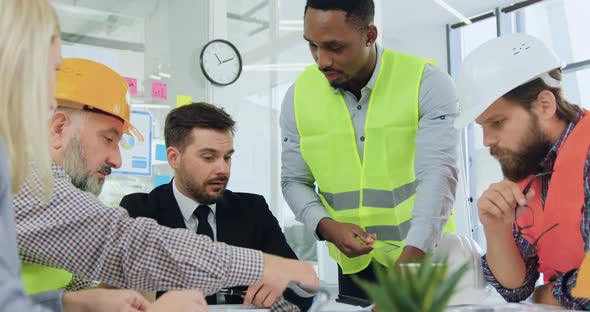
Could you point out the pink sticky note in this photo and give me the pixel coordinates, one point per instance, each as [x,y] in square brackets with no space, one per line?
[159,90]
[132,83]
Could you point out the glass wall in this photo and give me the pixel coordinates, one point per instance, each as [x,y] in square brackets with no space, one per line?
[462,40]
[145,41]
[269,35]
[563,25]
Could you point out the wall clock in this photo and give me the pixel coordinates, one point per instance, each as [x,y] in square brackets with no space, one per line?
[221,62]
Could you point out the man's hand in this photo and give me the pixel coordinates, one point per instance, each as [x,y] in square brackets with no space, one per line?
[260,295]
[544,295]
[278,272]
[180,301]
[344,235]
[496,205]
[104,300]
[496,213]
[409,254]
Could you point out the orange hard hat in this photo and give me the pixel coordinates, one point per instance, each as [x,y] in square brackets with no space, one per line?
[88,85]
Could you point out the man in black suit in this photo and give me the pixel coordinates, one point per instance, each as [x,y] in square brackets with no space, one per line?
[199,147]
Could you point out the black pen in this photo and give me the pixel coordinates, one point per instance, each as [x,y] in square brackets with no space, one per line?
[231,292]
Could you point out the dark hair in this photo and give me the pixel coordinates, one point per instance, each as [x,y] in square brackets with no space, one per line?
[359,13]
[181,121]
[527,93]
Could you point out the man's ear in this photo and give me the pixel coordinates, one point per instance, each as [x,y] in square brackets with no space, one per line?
[57,130]
[371,35]
[546,105]
[174,156]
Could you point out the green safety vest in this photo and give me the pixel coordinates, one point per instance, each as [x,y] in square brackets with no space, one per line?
[39,278]
[378,192]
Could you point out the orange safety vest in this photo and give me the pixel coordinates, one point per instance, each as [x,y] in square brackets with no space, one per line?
[562,248]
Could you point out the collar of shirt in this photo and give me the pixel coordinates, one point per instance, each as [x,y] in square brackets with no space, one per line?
[59,173]
[549,160]
[187,205]
[375,73]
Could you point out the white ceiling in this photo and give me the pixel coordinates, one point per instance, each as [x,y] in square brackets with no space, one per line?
[136,8]
[399,14]
[396,12]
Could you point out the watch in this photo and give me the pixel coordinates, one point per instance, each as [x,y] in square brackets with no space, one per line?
[221,62]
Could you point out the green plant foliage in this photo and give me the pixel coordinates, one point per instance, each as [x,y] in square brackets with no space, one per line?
[421,287]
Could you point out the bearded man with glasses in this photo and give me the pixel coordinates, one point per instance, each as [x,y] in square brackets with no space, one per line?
[536,220]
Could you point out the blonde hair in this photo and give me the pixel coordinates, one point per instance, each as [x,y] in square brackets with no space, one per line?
[27,30]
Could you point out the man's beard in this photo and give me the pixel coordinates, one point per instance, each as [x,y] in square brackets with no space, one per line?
[75,164]
[519,165]
[337,85]
[199,192]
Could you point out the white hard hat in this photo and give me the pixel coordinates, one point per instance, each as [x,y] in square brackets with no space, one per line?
[458,250]
[498,66]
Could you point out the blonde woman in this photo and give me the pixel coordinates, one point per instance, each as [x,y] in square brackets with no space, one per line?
[29,57]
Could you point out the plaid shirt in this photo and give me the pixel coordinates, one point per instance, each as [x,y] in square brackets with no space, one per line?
[76,232]
[565,282]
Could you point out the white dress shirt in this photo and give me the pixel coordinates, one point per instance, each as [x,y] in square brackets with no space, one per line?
[188,207]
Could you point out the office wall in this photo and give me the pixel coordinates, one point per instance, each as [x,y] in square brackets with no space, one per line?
[141,40]
[427,41]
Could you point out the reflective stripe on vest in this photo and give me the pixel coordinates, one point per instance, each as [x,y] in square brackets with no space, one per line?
[391,232]
[371,198]
[39,278]
[378,192]
[562,248]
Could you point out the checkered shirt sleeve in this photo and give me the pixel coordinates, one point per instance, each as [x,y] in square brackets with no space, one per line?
[282,305]
[531,276]
[79,283]
[78,233]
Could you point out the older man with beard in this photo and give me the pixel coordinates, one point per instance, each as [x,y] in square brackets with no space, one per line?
[199,146]
[74,231]
[536,220]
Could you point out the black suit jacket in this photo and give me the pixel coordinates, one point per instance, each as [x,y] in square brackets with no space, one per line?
[242,220]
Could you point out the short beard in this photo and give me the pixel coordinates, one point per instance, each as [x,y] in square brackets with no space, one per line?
[75,164]
[336,85]
[199,192]
[520,165]
[341,85]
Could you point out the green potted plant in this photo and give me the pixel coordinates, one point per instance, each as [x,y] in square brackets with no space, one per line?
[415,287]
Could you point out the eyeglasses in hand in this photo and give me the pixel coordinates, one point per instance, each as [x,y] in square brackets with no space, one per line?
[531,249]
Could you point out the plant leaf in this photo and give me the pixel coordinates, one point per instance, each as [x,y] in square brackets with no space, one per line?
[376,293]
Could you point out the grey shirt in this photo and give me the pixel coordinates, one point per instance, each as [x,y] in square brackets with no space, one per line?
[12,296]
[435,161]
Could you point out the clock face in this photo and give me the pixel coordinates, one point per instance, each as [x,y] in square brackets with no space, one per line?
[221,62]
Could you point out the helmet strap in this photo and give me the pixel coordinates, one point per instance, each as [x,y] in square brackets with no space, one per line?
[550,81]
[89,108]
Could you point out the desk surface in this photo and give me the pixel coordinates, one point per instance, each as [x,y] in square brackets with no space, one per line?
[493,303]
[339,307]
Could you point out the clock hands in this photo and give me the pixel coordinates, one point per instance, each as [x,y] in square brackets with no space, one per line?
[220,61]
[229,59]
